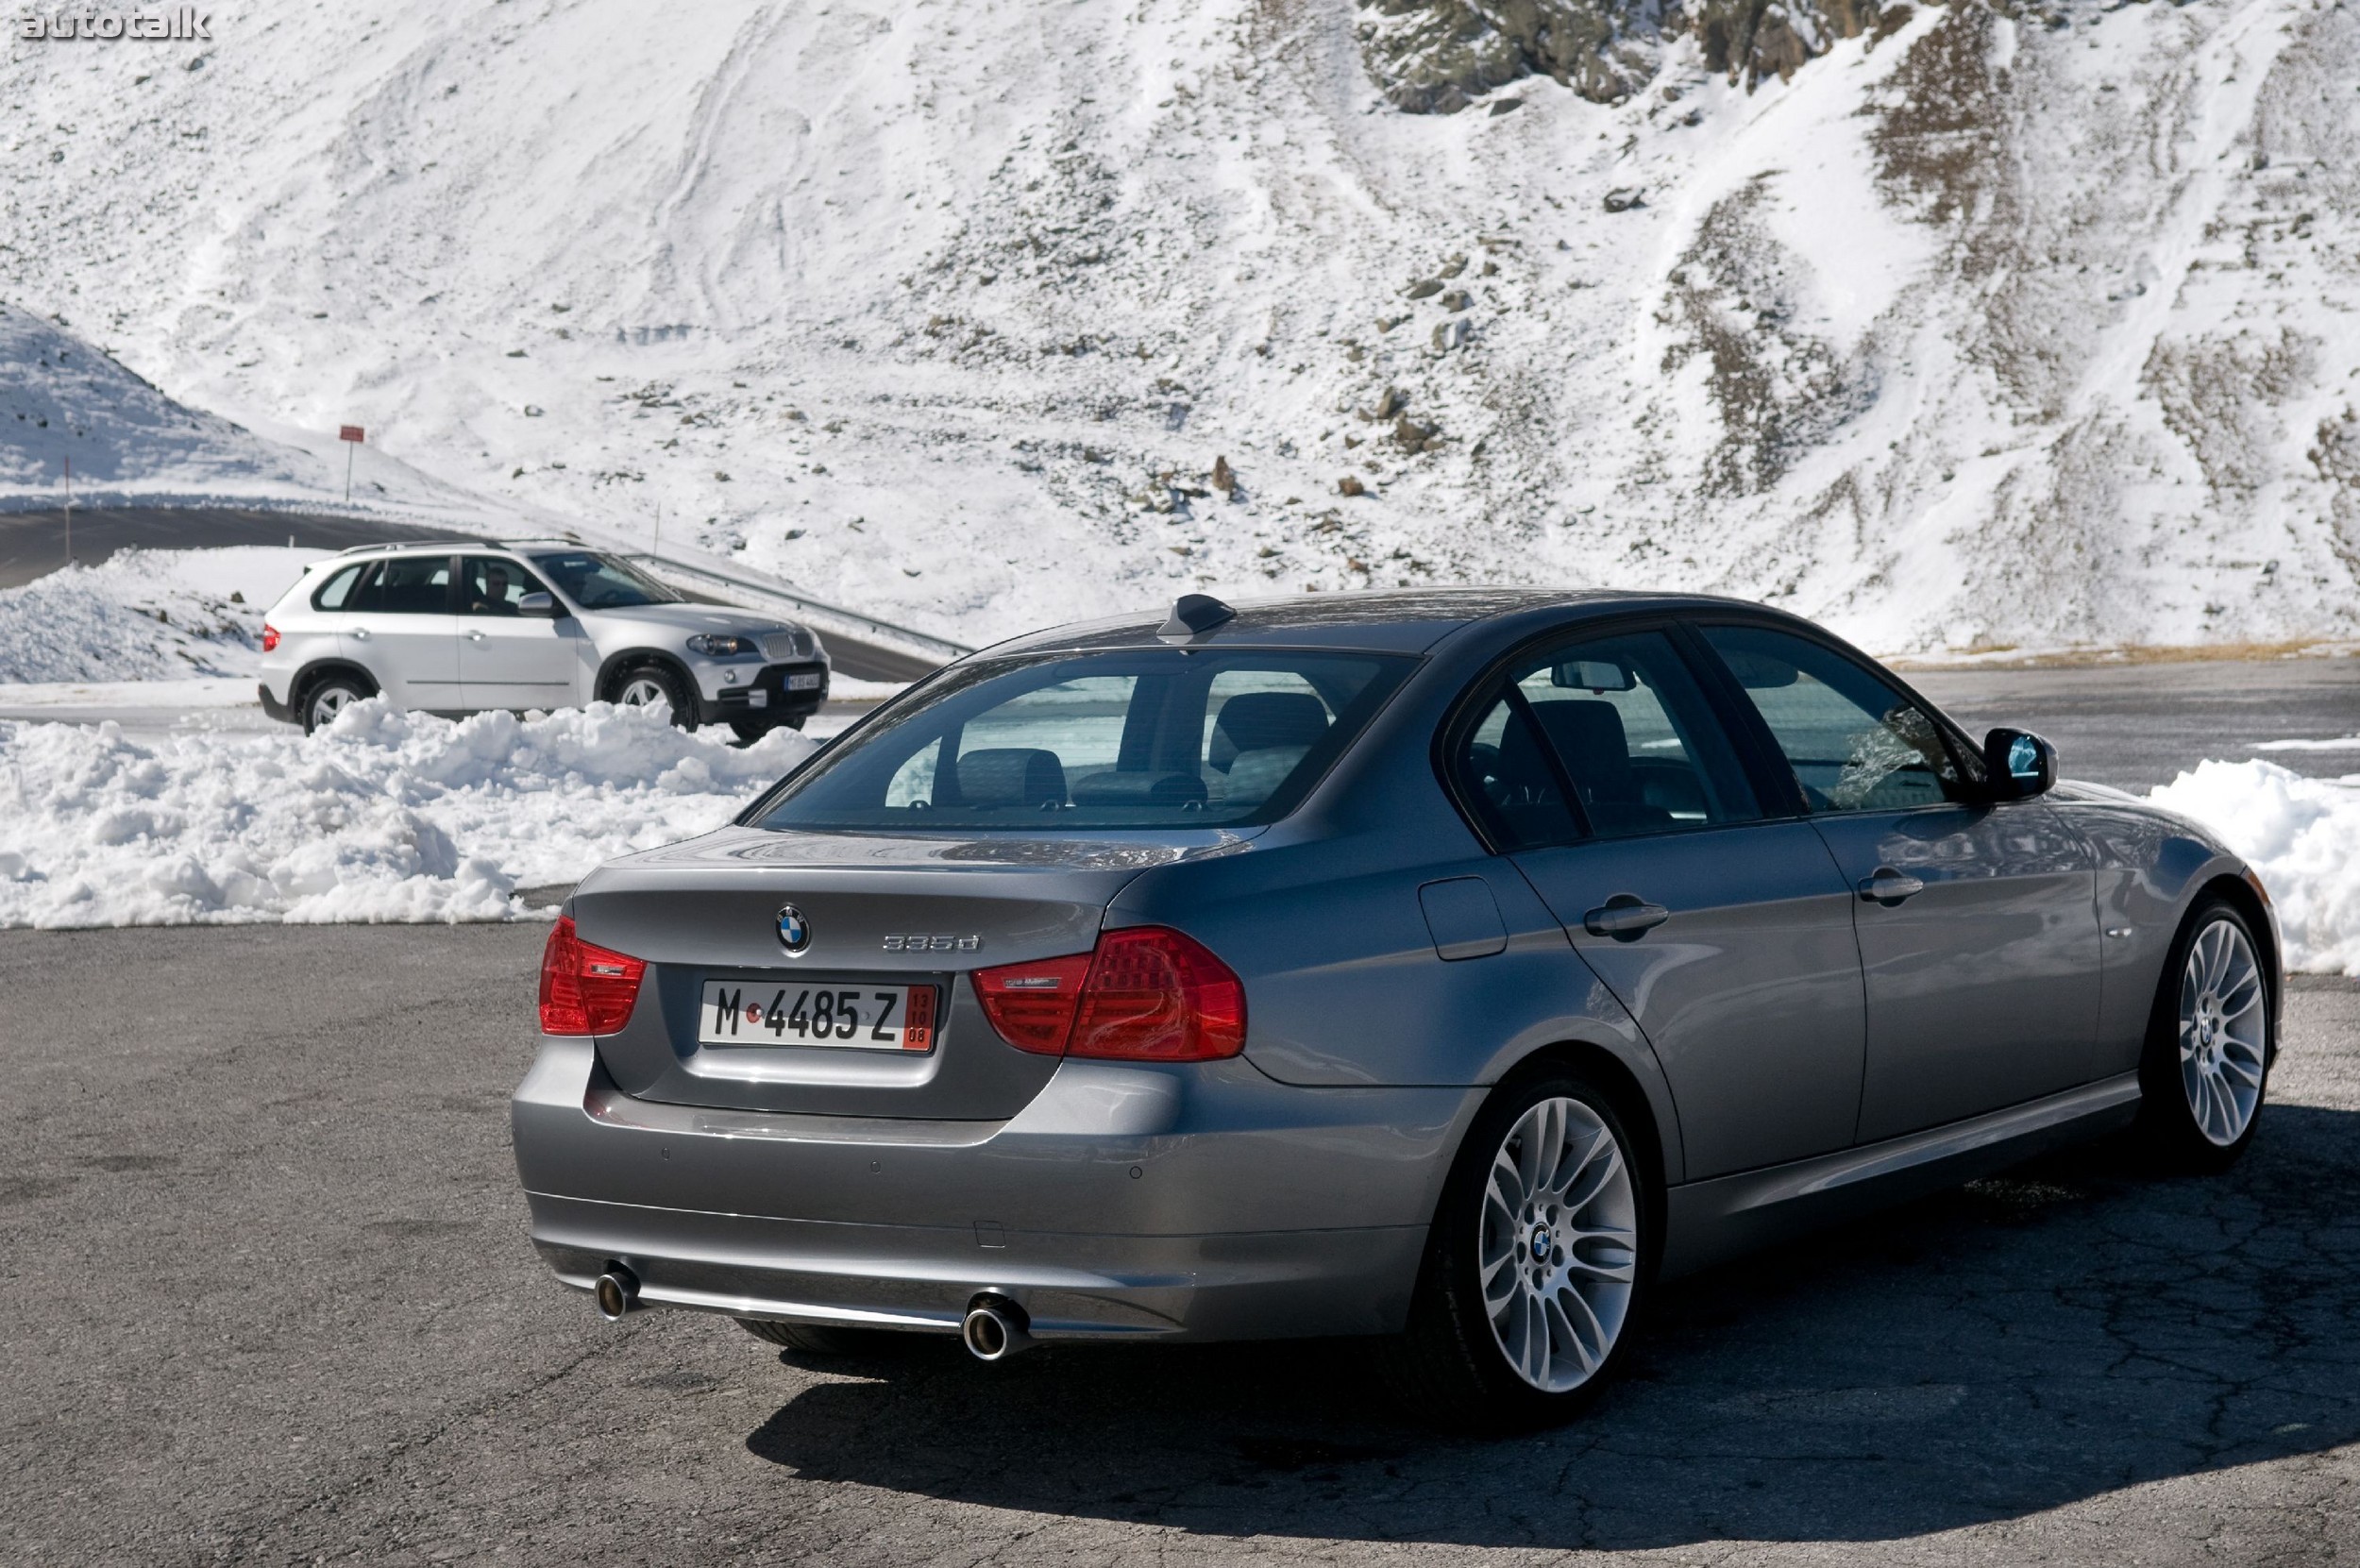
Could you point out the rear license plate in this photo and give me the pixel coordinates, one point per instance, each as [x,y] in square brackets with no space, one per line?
[804,682]
[846,1017]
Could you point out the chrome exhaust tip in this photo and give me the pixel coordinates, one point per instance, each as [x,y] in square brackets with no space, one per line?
[995,1328]
[617,1292]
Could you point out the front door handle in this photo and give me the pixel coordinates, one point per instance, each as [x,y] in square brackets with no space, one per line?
[1626,917]
[1888,886]
[475,637]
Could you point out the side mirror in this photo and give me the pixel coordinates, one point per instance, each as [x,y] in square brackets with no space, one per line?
[2020,763]
[539,604]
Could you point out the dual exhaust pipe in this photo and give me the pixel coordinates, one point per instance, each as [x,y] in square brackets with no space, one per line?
[994,1329]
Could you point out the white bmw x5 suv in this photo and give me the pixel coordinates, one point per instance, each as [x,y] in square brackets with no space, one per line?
[457,627]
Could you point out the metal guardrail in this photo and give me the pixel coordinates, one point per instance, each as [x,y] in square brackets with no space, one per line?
[818,612]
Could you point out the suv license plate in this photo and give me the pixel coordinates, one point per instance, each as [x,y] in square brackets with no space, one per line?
[845,1017]
[804,682]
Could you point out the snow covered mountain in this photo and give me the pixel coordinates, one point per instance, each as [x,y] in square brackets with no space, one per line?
[1982,326]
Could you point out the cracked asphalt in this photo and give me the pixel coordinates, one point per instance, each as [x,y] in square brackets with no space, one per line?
[271,1301]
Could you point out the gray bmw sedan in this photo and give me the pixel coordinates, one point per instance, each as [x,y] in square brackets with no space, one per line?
[1445,968]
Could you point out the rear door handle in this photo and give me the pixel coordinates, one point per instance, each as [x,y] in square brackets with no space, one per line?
[1626,917]
[360,633]
[1888,886]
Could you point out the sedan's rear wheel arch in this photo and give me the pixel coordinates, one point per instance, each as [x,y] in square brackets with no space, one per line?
[1608,1070]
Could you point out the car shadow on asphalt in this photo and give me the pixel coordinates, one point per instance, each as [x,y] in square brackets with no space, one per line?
[2068,1329]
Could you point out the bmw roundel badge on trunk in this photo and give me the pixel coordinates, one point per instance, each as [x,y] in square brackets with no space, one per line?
[794,931]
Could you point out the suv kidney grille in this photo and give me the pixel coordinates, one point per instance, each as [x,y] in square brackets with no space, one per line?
[785,645]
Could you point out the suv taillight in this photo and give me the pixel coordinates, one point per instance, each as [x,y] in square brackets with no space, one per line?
[585,990]
[1147,994]
[270,638]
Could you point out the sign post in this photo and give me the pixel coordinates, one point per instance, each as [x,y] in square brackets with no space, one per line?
[69,512]
[350,435]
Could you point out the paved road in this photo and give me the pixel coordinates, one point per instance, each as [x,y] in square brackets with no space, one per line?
[2134,726]
[32,544]
[271,1301]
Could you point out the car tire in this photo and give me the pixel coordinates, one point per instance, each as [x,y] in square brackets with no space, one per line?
[644,685]
[329,696]
[2210,1044]
[819,1339]
[752,729]
[1549,1167]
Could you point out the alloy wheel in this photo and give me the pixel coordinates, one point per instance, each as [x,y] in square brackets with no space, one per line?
[2224,1031]
[642,691]
[328,703]
[1558,1254]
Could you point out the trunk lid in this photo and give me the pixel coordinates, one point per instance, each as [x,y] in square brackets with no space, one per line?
[879,912]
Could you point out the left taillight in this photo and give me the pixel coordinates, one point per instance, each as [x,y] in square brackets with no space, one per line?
[1144,994]
[270,638]
[585,990]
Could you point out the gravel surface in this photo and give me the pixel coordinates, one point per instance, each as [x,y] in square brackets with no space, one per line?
[273,1303]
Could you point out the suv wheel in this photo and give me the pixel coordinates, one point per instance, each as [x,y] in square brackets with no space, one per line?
[644,685]
[330,696]
[1537,1263]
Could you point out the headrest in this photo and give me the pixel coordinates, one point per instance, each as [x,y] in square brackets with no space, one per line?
[1011,776]
[1256,721]
[1588,737]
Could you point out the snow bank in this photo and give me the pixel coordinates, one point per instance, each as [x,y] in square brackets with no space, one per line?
[145,615]
[2301,834]
[385,816]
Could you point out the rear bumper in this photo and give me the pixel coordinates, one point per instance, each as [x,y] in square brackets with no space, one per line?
[272,707]
[1201,1202]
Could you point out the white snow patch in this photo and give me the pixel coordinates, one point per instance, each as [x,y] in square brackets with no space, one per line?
[382,816]
[145,615]
[2301,836]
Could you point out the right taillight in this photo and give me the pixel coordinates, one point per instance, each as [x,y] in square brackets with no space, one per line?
[585,990]
[1147,993]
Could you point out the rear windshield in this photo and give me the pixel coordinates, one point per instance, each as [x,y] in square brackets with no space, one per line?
[1135,738]
[598,581]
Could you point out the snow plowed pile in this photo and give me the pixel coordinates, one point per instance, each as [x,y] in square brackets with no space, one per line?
[1994,325]
[145,615]
[2303,836]
[382,816]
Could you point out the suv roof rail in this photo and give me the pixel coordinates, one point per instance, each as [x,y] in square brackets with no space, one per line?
[418,544]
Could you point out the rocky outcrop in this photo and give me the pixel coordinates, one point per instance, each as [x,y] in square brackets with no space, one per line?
[1436,57]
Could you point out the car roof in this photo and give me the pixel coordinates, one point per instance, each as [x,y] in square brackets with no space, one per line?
[1406,620]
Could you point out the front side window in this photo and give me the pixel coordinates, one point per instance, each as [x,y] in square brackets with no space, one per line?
[1134,739]
[491,585]
[1604,737]
[1853,742]
[406,585]
[598,581]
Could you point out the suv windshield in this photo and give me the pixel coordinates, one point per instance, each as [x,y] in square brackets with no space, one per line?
[1135,738]
[598,581]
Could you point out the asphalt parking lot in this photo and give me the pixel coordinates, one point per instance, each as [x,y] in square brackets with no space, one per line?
[272,1301]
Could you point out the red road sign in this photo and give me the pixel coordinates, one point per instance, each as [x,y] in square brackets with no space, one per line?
[349,432]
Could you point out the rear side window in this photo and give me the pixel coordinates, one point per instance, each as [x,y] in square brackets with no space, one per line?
[1604,737]
[406,585]
[1854,743]
[336,593]
[1133,738]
